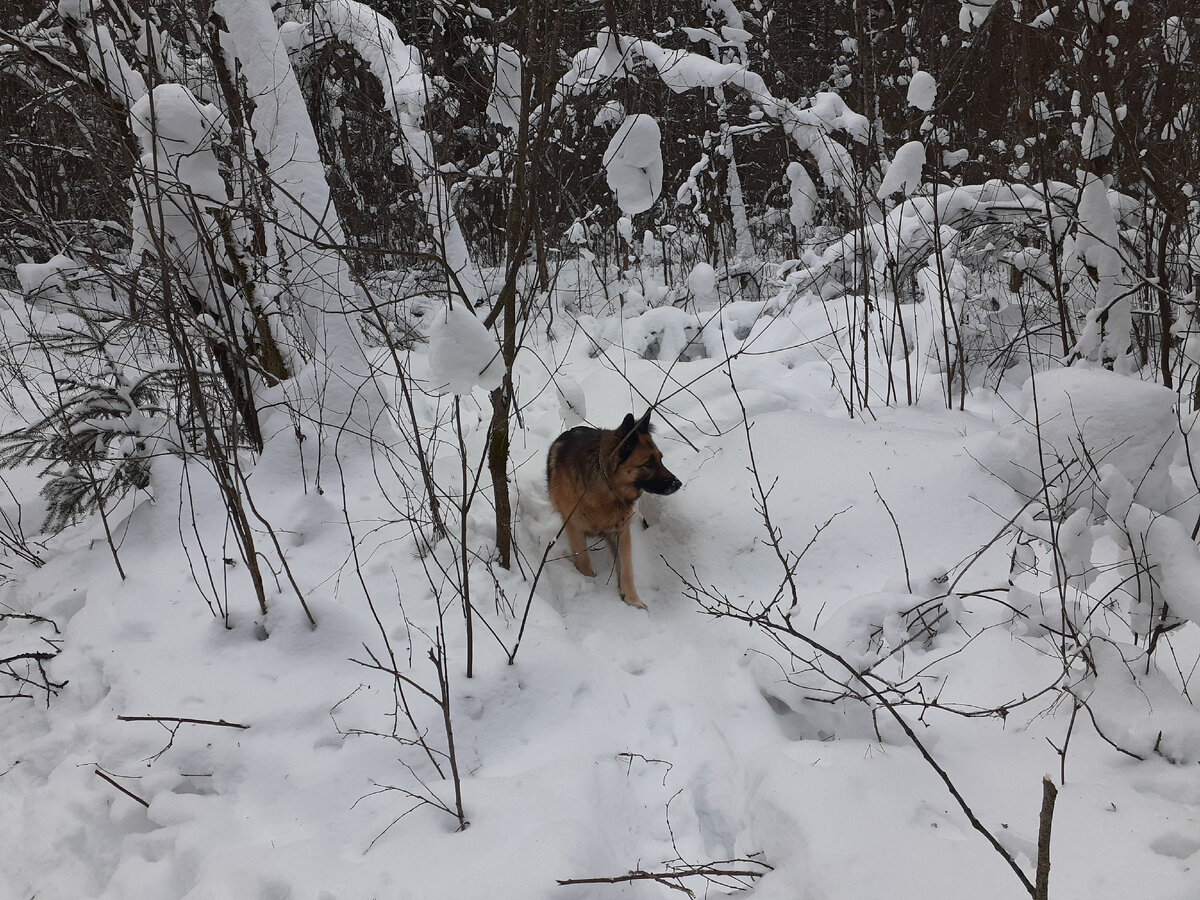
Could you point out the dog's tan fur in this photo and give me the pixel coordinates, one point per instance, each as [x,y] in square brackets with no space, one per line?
[595,477]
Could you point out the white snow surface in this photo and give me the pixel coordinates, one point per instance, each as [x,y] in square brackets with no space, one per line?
[106,63]
[1095,247]
[973,13]
[393,62]
[179,184]
[618,739]
[809,123]
[183,123]
[1176,43]
[283,134]
[681,70]
[48,278]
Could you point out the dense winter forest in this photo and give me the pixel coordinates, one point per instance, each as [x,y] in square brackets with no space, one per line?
[295,297]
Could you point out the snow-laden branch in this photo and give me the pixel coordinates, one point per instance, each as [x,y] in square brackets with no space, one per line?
[811,126]
[906,236]
[406,88]
[106,64]
[1095,248]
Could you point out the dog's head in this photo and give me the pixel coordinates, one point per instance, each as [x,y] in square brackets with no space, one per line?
[641,458]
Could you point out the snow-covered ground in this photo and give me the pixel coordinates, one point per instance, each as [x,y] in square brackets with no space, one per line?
[618,739]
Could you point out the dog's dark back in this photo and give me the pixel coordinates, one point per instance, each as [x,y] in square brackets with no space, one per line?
[579,450]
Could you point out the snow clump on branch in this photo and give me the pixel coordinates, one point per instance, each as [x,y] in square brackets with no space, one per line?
[922,91]
[463,354]
[634,163]
[904,174]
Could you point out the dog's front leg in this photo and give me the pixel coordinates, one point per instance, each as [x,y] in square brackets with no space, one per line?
[625,574]
[579,548]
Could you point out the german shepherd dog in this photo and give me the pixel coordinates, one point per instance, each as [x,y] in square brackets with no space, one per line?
[595,476]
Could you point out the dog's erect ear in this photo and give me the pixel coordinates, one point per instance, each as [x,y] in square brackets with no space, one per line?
[643,424]
[625,439]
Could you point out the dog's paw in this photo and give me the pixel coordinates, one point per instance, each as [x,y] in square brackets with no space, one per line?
[632,600]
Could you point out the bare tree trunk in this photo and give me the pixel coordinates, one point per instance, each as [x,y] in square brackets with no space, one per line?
[539,27]
[1049,795]
[1166,314]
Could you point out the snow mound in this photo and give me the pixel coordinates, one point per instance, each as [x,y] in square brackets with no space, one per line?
[572,401]
[681,71]
[1087,418]
[870,628]
[803,194]
[974,13]
[49,279]
[1137,707]
[1163,547]
[504,106]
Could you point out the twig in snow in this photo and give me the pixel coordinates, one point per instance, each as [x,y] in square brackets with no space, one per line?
[180,721]
[899,536]
[125,791]
[672,878]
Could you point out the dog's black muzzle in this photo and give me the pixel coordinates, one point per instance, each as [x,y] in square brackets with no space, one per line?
[661,485]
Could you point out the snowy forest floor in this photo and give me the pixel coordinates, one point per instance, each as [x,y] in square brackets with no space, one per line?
[619,739]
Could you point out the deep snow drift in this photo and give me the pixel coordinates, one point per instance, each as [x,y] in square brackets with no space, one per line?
[618,739]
